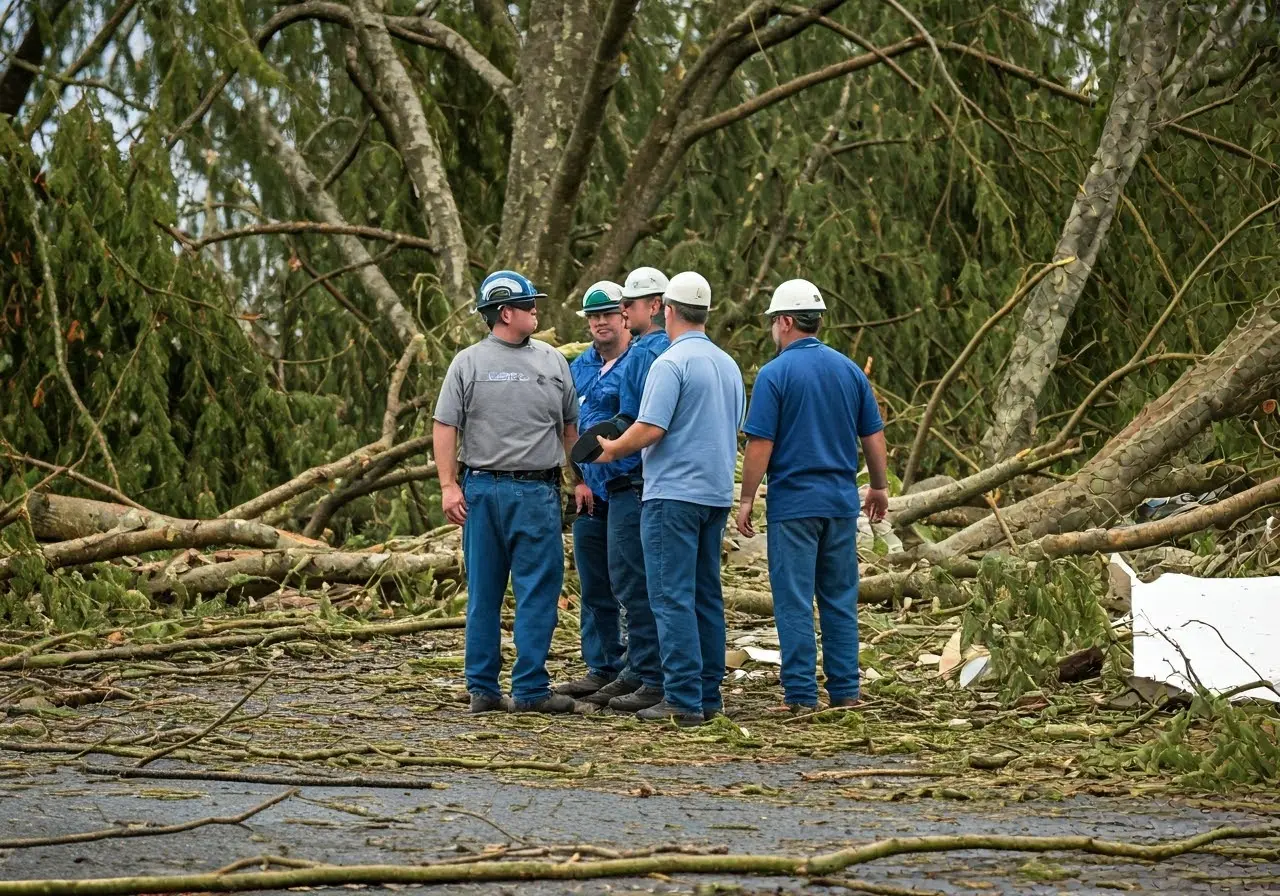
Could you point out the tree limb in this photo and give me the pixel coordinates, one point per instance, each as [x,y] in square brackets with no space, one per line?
[195,244]
[17,79]
[146,830]
[575,869]
[1142,535]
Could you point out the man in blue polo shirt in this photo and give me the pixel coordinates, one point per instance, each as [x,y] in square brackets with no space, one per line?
[597,375]
[810,406]
[639,685]
[687,430]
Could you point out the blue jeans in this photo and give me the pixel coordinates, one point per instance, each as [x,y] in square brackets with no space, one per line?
[602,648]
[682,559]
[512,530]
[627,575]
[807,558]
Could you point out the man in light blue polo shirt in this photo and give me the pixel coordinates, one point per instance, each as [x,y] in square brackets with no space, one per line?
[686,430]
[810,407]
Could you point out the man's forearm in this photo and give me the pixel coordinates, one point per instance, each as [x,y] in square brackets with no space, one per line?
[877,455]
[755,461]
[638,436]
[444,445]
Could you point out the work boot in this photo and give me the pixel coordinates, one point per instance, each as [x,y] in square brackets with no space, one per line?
[641,698]
[584,686]
[616,688]
[554,703]
[663,711]
[848,703]
[481,702]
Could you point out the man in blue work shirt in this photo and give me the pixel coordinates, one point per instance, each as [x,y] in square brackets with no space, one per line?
[810,406]
[597,375]
[639,685]
[687,429]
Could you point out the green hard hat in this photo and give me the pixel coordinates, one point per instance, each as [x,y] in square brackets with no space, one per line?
[603,296]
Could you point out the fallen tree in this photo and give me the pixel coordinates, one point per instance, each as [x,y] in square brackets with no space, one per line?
[1240,373]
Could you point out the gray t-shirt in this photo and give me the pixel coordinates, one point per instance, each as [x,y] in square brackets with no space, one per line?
[511,403]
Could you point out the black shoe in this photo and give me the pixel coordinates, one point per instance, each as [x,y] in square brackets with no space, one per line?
[641,698]
[616,688]
[584,686]
[555,703]
[489,703]
[709,713]
[664,711]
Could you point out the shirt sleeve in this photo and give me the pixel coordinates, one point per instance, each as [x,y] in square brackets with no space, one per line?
[869,421]
[661,392]
[762,416]
[570,393]
[451,406]
[631,390]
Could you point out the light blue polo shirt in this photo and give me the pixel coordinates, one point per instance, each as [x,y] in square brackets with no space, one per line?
[814,404]
[694,391]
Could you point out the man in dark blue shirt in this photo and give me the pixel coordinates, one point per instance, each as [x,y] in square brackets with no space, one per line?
[639,686]
[810,407]
[598,374]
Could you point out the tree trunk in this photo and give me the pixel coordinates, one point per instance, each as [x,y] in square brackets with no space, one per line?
[1241,372]
[418,148]
[1151,32]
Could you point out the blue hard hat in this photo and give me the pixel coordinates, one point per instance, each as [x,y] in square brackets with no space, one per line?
[504,287]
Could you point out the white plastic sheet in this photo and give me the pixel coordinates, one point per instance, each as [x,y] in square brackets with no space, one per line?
[1217,634]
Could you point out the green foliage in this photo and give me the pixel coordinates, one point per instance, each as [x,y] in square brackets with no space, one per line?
[1031,615]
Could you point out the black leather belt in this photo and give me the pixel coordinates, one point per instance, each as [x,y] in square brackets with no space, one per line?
[621,484]
[549,475]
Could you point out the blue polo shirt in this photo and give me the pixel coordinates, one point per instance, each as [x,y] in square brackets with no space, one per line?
[814,404]
[598,401]
[694,391]
[641,355]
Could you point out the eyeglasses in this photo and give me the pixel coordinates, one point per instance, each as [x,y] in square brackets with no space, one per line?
[528,305]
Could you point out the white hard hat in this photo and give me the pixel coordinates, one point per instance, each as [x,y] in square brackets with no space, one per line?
[794,297]
[689,288]
[644,282]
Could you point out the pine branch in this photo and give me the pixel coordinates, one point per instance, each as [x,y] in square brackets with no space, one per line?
[195,244]
[55,320]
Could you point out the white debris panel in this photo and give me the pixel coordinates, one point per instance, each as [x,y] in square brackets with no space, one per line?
[1215,634]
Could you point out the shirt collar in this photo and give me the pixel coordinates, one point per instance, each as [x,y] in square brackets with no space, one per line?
[504,342]
[806,342]
[690,334]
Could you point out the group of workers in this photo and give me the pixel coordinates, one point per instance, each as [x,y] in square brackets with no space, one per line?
[662,406]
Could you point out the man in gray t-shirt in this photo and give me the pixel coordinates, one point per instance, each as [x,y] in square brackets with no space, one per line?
[512,399]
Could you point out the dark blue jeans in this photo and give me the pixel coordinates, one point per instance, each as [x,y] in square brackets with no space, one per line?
[807,558]
[512,531]
[627,575]
[602,648]
[682,560]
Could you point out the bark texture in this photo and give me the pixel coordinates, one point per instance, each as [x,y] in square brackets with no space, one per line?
[417,145]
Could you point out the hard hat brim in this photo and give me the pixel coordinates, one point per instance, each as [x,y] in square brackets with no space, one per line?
[510,300]
[587,449]
[600,309]
[640,293]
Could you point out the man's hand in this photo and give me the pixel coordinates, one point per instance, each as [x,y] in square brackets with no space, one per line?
[744,519]
[608,450]
[453,503]
[877,504]
[583,498]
